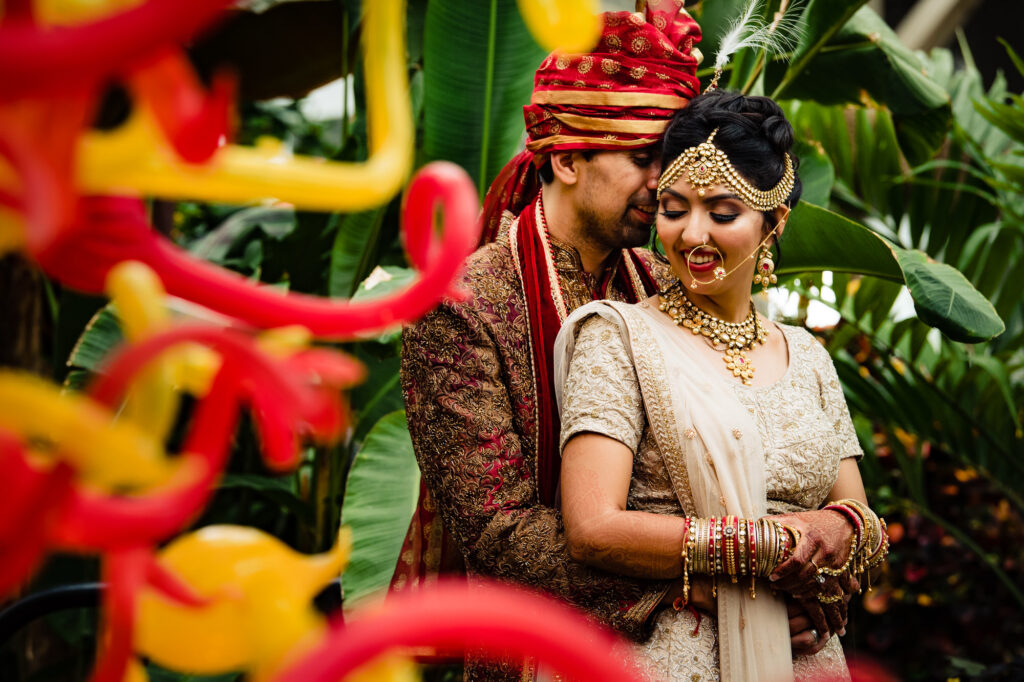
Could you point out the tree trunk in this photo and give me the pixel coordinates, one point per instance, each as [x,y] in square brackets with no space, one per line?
[26,326]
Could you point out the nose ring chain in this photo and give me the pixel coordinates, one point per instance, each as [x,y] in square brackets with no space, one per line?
[720,272]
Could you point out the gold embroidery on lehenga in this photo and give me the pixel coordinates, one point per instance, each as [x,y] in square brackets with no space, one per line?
[804,441]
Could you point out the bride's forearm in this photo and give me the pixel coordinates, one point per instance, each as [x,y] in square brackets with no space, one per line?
[634,543]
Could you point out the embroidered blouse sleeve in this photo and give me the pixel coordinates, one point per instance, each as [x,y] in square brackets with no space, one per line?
[834,403]
[471,455]
[602,394]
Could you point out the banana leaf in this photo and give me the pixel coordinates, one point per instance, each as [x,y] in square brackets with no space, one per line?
[478,61]
[817,239]
[886,72]
[380,497]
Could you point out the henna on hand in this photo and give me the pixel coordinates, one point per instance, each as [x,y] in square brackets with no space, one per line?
[825,541]
[801,631]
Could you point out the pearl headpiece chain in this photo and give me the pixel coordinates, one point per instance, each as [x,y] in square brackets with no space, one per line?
[706,165]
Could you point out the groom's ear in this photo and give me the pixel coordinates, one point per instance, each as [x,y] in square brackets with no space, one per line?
[565,168]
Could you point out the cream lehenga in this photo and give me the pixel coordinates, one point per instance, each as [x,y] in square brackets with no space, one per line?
[707,446]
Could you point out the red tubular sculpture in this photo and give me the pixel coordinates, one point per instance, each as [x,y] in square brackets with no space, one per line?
[492,620]
[34,61]
[114,229]
[50,78]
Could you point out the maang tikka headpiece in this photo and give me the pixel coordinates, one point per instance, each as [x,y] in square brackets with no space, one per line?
[706,165]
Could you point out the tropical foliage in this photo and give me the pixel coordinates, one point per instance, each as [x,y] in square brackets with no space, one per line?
[913,176]
[941,420]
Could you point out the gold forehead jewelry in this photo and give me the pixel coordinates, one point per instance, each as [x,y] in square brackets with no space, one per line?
[706,165]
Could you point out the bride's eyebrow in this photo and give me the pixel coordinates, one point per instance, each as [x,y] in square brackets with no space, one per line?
[677,195]
[719,197]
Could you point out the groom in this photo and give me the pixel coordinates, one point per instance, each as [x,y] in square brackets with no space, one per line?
[561,225]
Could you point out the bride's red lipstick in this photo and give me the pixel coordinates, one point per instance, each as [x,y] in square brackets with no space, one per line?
[702,267]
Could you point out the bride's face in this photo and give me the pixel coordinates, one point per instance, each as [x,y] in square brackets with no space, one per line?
[688,224]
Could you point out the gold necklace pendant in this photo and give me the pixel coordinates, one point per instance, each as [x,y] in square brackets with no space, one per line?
[737,362]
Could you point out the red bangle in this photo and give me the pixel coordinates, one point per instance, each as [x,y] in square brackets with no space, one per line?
[853,517]
[736,547]
[752,549]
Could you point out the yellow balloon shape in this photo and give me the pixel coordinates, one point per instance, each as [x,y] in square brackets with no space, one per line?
[282,342]
[65,12]
[136,156]
[138,295]
[563,25]
[108,454]
[261,615]
[140,299]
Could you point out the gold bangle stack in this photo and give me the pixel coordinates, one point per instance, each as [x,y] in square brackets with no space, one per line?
[734,547]
[868,547]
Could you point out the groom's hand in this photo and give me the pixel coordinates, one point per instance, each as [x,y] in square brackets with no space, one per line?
[700,593]
[804,638]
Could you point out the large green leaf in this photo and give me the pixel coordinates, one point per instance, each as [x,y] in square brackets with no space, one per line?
[866,59]
[275,221]
[353,251]
[101,335]
[478,60]
[817,239]
[380,497]
[821,20]
[381,393]
[816,173]
[945,299]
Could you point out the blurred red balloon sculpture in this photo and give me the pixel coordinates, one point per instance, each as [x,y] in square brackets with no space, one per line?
[88,474]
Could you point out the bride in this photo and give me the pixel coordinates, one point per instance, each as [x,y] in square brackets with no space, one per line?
[703,443]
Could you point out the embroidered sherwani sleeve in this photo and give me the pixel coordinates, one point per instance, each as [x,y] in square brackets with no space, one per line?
[472,458]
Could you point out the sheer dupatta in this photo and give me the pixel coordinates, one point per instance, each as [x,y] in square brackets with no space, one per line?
[713,452]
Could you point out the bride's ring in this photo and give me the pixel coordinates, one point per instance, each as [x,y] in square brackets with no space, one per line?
[820,577]
[816,635]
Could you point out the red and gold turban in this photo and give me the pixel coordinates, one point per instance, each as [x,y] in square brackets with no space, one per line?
[620,96]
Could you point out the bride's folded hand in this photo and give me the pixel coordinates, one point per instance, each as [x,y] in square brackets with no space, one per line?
[825,538]
[805,635]
[824,543]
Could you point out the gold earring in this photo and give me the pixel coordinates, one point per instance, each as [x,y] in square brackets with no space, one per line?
[764,273]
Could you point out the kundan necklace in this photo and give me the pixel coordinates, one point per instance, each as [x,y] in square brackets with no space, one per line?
[737,337]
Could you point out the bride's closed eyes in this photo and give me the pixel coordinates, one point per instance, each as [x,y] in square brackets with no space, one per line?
[717,217]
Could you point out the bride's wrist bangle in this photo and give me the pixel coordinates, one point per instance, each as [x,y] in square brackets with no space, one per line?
[852,517]
[883,546]
[729,546]
[872,526]
[686,561]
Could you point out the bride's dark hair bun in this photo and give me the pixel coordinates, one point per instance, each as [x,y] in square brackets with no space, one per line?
[752,131]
